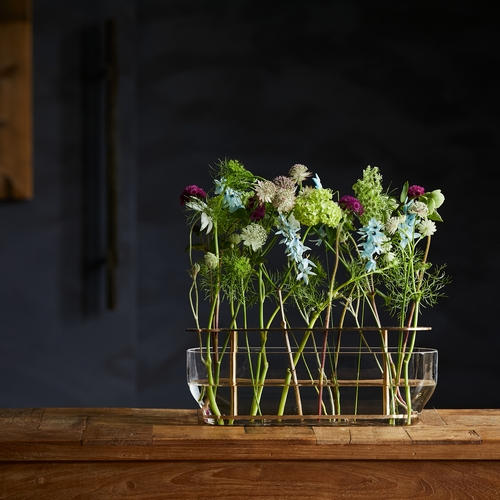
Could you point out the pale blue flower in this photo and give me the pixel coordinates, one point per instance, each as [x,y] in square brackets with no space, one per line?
[404,232]
[287,228]
[220,185]
[372,231]
[317,182]
[407,233]
[368,251]
[305,270]
[232,200]
[320,231]
[371,265]
[372,240]
[410,217]
[294,247]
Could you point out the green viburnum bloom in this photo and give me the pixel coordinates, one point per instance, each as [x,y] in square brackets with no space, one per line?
[315,206]
[235,175]
[369,192]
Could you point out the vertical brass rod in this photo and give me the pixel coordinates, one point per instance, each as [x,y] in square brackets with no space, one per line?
[386,375]
[111,163]
[232,372]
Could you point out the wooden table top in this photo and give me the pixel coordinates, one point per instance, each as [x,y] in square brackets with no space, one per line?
[93,434]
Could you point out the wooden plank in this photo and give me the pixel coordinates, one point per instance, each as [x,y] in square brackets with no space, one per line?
[162,434]
[228,480]
[332,435]
[489,434]
[439,435]
[16,149]
[431,417]
[207,450]
[471,418]
[24,415]
[22,436]
[286,434]
[174,435]
[23,426]
[98,433]
[379,436]
[168,416]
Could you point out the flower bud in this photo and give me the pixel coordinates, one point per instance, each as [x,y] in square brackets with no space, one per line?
[234,239]
[195,270]
[211,260]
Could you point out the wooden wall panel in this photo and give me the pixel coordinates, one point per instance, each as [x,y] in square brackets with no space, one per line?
[16,150]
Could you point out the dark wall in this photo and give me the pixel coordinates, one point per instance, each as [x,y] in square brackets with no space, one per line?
[334,85]
[54,349]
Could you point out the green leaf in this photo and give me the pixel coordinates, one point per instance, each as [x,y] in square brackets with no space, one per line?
[435,217]
[198,246]
[404,192]
[438,197]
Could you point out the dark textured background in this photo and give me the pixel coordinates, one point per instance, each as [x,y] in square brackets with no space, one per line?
[336,85]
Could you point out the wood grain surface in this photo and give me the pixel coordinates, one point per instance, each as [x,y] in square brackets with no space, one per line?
[16,121]
[85,453]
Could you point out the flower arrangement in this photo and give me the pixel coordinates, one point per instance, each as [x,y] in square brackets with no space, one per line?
[268,253]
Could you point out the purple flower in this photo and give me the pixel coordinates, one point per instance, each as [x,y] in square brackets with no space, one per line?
[258,213]
[352,204]
[415,191]
[192,191]
[258,210]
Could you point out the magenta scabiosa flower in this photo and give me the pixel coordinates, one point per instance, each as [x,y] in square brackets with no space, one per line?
[192,191]
[257,209]
[351,204]
[415,191]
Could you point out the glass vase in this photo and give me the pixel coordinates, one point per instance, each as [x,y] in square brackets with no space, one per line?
[311,385]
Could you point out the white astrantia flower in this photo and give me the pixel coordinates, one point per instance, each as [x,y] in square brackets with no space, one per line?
[419,208]
[211,260]
[299,173]
[284,200]
[392,224]
[265,191]
[389,257]
[427,227]
[254,236]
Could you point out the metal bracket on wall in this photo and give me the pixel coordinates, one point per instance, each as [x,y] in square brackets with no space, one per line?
[100,167]
[111,162]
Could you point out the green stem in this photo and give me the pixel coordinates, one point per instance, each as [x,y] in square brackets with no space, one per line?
[298,354]
[406,363]
[327,318]
[212,386]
